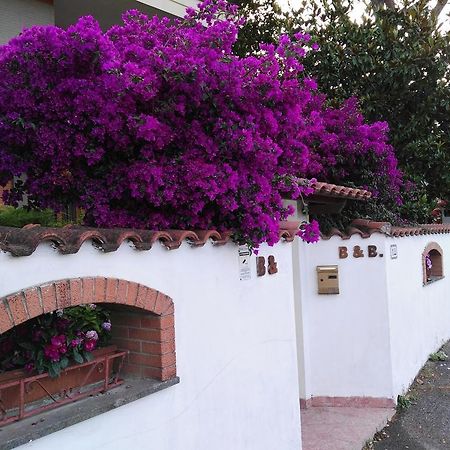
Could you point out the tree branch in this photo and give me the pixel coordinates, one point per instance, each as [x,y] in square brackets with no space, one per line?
[388,3]
[439,7]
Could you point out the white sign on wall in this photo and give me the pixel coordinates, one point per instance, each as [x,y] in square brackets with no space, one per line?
[394,251]
[245,272]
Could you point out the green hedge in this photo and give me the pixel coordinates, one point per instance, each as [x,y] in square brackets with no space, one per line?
[18,217]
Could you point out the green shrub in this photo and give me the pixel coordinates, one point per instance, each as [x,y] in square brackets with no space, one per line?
[438,356]
[18,217]
[404,401]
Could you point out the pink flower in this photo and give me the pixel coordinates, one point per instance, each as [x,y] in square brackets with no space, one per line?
[92,335]
[90,345]
[58,341]
[75,342]
[63,349]
[51,352]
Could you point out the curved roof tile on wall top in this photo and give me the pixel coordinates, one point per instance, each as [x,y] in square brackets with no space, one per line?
[365,228]
[333,190]
[69,239]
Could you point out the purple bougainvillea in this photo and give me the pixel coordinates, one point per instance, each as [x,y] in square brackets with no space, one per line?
[158,124]
[50,342]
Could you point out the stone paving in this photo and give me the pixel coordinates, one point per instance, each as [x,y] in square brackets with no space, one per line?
[326,428]
[425,424]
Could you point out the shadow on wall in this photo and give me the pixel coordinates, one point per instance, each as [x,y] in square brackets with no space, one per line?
[106,12]
[19,14]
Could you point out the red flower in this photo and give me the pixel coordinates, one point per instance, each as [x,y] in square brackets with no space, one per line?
[63,349]
[90,345]
[51,352]
[76,342]
[59,341]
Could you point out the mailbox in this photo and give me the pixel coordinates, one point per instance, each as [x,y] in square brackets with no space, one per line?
[327,280]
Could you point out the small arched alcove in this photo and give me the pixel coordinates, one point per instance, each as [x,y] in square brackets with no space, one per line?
[432,263]
[142,332]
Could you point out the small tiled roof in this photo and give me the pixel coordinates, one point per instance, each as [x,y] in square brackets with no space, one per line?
[69,239]
[365,229]
[333,190]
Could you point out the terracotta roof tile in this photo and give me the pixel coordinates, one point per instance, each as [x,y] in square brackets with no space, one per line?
[333,190]
[69,239]
[365,228]
[287,235]
[204,236]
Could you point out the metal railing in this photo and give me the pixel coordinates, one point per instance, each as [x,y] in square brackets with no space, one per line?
[49,400]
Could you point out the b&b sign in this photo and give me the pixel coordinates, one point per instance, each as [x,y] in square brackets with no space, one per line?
[358,252]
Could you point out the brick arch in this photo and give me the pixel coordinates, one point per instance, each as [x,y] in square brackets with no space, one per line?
[145,317]
[433,246]
[32,302]
[437,255]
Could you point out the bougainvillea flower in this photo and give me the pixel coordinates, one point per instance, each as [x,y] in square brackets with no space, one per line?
[177,131]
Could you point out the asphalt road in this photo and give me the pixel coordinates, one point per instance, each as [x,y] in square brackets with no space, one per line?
[425,424]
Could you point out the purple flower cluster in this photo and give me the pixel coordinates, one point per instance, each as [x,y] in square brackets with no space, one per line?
[428,262]
[56,348]
[347,147]
[58,344]
[158,124]
[50,342]
[309,232]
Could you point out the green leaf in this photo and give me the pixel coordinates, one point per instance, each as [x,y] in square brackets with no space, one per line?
[54,370]
[77,357]
[64,362]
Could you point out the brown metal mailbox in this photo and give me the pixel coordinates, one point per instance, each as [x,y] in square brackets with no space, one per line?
[327,279]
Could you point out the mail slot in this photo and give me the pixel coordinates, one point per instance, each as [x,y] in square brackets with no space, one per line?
[327,279]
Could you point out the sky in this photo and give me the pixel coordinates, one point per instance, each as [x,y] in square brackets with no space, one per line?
[287,4]
[359,7]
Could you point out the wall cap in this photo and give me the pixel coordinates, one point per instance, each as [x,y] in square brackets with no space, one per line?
[35,427]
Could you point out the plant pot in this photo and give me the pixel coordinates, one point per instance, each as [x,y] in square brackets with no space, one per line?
[43,386]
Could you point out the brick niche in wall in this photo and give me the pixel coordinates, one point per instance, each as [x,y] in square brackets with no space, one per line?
[142,318]
[149,338]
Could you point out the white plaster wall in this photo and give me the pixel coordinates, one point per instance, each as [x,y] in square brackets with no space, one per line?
[343,339]
[15,15]
[175,7]
[419,315]
[236,350]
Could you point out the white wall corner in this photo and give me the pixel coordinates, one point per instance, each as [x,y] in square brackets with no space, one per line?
[174,7]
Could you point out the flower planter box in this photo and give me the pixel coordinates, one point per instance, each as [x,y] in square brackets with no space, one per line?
[22,395]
